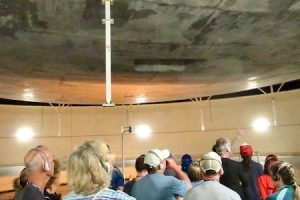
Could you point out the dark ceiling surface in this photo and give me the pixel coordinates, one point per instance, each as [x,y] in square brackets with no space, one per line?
[162,50]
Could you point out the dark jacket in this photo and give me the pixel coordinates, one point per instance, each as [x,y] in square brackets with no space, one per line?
[233,176]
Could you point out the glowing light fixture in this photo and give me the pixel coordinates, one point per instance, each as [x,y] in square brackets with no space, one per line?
[28,94]
[252,85]
[252,78]
[24,134]
[143,131]
[140,99]
[260,124]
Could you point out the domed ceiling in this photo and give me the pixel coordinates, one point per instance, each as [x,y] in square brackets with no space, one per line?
[162,50]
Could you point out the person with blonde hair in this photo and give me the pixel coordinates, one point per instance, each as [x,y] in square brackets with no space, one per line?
[89,172]
[283,175]
[194,173]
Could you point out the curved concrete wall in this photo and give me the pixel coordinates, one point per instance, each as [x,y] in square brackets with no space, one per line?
[175,126]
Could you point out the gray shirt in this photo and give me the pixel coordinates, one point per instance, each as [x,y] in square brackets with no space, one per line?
[29,192]
[211,190]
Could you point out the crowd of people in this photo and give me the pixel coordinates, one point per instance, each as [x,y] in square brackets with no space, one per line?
[92,175]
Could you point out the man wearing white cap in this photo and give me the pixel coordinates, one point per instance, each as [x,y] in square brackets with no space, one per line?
[211,188]
[157,186]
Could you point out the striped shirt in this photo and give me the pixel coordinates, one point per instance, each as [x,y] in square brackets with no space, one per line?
[104,194]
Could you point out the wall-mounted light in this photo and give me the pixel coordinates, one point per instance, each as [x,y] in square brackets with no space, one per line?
[24,134]
[261,124]
[143,131]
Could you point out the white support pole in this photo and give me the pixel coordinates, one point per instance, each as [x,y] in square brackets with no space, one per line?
[59,108]
[123,161]
[210,109]
[274,112]
[108,21]
[202,120]
[59,120]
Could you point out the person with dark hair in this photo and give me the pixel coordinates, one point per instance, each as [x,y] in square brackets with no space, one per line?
[251,171]
[210,188]
[141,171]
[283,176]
[264,182]
[39,167]
[157,186]
[214,148]
[53,183]
[21,181]
[233,171]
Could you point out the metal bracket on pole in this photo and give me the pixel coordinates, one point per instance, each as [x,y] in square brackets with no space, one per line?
[110,1]
[124,130]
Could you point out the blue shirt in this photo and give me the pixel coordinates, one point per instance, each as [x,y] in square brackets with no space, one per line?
[251,191]
[287,191]
[156,186]
[117,179]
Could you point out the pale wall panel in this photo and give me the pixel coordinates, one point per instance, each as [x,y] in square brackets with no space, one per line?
[168,118]
[175,126]
[288,108]
[13,151]
[14,117]
[56,121]
[97,120]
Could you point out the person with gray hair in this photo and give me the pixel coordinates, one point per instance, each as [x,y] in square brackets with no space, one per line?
[233,171]
[210,188]
[39,167]
[89,171]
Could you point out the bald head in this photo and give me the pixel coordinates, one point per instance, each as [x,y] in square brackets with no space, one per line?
[37,158]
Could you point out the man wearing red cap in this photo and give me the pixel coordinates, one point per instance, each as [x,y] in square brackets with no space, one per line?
[251,171]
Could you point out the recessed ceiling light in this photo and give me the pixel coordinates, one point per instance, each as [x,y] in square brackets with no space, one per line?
[140,99]
[159,68]
[252,78]
[252,85]
[28,94]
